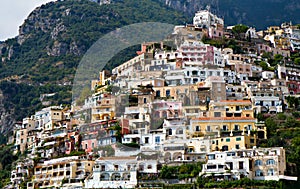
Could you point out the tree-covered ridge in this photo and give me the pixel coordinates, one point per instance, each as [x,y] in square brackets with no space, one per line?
[255,13]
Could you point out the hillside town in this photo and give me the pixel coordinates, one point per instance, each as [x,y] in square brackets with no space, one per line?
[194,102]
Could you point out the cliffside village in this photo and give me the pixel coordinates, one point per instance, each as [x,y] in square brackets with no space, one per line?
[168,106]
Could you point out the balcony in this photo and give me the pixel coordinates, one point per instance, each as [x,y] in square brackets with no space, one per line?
[198,134]
[58,178]
[212,168]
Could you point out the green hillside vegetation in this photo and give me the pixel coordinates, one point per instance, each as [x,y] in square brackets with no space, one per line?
[85,22]
[6,160]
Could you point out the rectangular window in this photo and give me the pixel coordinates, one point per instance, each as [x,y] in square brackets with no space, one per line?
[238,139]
[168,93]
[157,93]
[236,127]
[217,114]
[211,166]
[227,139]
[157,139]
[102,167]
[146,140]
[241,165]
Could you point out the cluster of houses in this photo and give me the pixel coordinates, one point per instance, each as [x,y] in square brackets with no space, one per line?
[193,103]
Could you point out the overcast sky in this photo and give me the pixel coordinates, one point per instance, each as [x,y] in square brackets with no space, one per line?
[13,14]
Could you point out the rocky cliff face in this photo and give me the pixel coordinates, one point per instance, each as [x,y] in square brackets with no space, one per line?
[6,117]
[51,24]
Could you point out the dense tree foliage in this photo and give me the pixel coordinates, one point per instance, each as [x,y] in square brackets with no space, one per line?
[181,172]
[26,98]
[284,130]
[239,31]
[6,160]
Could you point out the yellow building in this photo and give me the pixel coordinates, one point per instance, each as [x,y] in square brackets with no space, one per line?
[231,108]
[101,84]
[194,111]
[227,133]
[233,142]
[231,122]
[104,108]
[221,126]
[52,173]
[273,29]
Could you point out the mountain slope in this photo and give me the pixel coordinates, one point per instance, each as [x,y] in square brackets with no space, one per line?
[44,57]
[258,13]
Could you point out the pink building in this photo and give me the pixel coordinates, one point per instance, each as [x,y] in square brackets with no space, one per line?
[197,53]
[166,109]
[294,87]
[89,142]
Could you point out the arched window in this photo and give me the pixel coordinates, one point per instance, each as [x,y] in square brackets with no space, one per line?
[116,176]
[104,176]
[258,162]
[270,172]
[270,162]
[259,173]
[126,176]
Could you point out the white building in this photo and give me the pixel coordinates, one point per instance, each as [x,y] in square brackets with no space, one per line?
[205,19]
[257,164]
[175,128]
[251,32]
[268,75]
[119,172]
[264,100]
